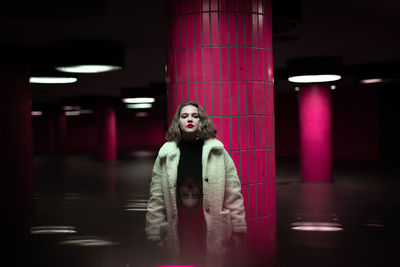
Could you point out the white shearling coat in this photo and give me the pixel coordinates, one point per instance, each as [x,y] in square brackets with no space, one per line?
[222,199]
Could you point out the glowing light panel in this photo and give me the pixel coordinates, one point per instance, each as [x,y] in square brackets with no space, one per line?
[139,105]
[52,230]
[136,100]
[52,80]
[71,107]
[314,78]
[142,114]
[88,68]
[88,241]
[86,111]
[37,113]
[317,226]
[366,81]
[72,113]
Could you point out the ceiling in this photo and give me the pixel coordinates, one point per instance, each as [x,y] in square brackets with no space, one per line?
[358,31]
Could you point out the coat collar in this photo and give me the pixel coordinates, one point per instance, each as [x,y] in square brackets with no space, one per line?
[171,148]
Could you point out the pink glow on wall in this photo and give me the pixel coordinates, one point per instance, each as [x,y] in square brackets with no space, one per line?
[132,132]
[315,133]
[235,86]
[106,133]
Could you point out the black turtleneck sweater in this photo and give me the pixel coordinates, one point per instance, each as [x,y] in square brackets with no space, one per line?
[190,166]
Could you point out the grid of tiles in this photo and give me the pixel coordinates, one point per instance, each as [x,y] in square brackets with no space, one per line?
[219,53]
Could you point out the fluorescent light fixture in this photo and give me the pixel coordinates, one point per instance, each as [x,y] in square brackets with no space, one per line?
[72,113]
[53,230]
[366,81]
[142,114]
[52,80]
[88,68]
[88,242]
[86,111]
[317,226]
[37,113]
[71,107]
[139,105]
[136,100]
[314,78]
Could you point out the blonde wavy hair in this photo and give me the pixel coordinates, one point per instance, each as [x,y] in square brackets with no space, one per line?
[206,127]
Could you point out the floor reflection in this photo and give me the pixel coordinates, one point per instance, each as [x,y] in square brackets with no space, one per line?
[94,215]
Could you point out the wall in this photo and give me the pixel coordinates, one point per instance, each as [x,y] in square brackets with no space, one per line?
[132,132]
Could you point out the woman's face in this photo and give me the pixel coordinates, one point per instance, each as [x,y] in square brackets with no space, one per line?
[189,120]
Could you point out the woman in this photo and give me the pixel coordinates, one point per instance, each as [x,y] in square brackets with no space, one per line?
[195,192]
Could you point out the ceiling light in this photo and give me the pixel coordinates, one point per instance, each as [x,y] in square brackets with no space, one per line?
[53,230]
[366,81]
[71,107]
[88,68]
[72,113]
[136,100]
[37,113]
[52,80]
[86,111]
[88,241]
[139,105]
[314,78]
[317,226]
[142,114]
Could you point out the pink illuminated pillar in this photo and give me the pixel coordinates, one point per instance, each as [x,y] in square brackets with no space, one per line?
[315,132]
[16,160]
[60,134]
[106,133]
[219,53]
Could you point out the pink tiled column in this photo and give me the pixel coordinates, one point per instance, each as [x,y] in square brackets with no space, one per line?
[106,133]
[16,158]
[60,134]
[315,132]
[219,53]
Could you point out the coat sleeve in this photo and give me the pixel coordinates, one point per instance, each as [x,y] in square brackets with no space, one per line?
[156,215]
[233,199]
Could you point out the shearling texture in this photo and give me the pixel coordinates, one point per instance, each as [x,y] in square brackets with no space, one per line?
[222,199]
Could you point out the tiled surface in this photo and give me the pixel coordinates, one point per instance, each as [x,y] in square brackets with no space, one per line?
[219,53]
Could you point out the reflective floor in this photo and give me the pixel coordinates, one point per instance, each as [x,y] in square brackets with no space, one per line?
[92,214]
